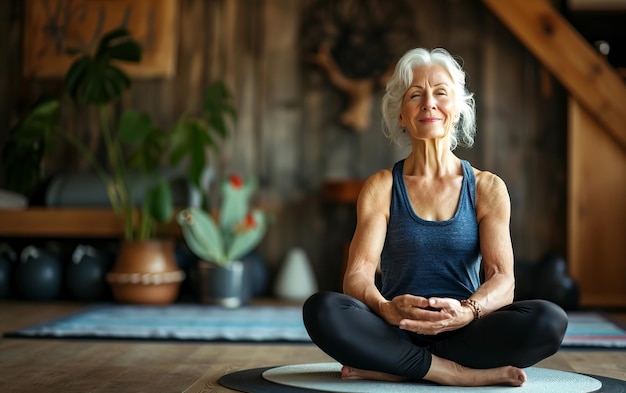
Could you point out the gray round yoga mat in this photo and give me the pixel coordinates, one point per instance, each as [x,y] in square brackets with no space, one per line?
[324,377]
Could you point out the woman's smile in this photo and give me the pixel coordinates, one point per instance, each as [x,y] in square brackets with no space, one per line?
[429,120]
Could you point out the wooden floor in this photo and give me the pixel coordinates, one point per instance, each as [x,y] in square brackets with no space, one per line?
[66,366]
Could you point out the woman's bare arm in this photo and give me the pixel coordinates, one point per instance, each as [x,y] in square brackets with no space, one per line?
[493,210]
[368,240]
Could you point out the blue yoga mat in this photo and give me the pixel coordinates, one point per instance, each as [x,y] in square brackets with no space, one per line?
[593,330]
[176,322]
[197,322]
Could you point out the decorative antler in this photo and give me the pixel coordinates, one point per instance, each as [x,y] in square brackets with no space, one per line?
[364,47]
[360,91]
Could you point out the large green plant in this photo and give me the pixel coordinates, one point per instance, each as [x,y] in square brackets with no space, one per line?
[133,144]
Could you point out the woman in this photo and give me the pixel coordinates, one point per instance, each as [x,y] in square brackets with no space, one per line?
[432,224]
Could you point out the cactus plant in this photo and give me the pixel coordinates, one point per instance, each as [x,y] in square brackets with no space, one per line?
[234,233]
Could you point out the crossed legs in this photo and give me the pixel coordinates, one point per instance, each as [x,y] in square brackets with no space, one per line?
[489,351]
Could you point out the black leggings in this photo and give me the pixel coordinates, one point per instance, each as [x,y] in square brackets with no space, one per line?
[520,334]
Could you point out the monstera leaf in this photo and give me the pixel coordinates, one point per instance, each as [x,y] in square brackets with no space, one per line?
[95,79]
[146,143]
[192,136]
[217,105]
[23,154]
[159,202]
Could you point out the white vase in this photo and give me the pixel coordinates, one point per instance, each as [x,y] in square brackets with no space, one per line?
[296,279]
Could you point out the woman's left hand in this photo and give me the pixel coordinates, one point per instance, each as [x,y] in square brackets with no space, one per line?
[457,316]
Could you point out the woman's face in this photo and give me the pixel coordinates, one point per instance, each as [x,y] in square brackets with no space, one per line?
[428,107]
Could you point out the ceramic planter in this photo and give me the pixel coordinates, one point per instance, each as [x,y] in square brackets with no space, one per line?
[146,273]
[227,286]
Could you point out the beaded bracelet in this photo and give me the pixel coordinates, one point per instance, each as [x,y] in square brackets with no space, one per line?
[473,304]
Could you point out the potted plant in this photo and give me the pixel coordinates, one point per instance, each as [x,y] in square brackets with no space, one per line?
[222,238]
[134,149]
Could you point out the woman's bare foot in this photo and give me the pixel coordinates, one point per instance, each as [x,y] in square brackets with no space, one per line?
[356,373]
[446,372]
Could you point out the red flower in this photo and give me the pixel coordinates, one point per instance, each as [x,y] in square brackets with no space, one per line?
[247,224]
[250,223]
[236,181]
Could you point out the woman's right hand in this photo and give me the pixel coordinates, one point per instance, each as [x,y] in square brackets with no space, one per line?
[411,307]
[402,307]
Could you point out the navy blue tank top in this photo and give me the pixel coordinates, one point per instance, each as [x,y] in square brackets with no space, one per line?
[431,258]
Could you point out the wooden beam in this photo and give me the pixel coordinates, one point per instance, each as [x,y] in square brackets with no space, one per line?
[588,77]
[597,5]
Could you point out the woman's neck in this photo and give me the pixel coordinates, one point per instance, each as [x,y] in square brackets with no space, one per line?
[431,158]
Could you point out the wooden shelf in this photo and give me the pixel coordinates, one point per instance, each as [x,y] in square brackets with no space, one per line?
[67,222]
[342,191]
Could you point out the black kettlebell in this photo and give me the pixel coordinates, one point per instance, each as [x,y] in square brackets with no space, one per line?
[8,258]
[524,279]
[553,282]
[85,274]
[38,275]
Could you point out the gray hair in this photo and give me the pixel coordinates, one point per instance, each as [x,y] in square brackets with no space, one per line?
[464,130]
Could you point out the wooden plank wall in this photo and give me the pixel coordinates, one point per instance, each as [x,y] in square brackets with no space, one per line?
[597,211]
[8,70]
[597,143]
[288,133]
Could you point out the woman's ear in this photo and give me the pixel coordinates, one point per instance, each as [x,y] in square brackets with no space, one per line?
[400,120]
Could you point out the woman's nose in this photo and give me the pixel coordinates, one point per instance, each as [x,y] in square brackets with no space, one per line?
[429,103]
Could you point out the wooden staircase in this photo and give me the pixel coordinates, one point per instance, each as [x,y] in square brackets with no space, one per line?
[597,146]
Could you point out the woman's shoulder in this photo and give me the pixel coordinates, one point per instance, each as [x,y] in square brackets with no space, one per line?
[383,175]
[379,181]
[488,180]
[491,190]
[377,188]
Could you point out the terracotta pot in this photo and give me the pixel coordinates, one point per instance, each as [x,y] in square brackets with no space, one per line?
[146,273]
